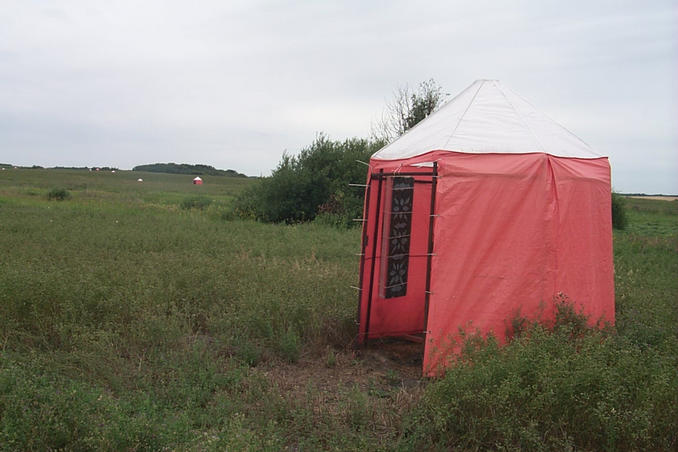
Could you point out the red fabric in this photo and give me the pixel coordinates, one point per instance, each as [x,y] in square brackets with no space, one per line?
[512,232]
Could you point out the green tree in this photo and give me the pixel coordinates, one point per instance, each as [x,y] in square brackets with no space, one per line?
[407,109]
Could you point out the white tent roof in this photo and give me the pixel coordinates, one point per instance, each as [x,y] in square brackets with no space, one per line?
[197,178]
[487,118]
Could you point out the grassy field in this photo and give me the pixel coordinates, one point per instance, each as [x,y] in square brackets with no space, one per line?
[142,316]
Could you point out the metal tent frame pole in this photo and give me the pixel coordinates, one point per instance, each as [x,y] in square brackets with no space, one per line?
[434,184]
[374,257]
[363,246]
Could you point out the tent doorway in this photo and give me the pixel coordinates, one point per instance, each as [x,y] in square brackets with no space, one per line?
[395,265]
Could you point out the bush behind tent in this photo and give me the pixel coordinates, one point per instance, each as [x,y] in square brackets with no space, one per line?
[313,182]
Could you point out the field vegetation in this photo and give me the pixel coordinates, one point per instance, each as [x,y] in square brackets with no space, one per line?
[147,316]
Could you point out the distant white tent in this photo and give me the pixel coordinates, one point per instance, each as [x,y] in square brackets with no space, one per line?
[140,180]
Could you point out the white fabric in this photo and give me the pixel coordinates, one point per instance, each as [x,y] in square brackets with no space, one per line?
[487,118]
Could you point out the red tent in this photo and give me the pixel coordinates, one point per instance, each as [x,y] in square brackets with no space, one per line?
[197,180]
[484,211]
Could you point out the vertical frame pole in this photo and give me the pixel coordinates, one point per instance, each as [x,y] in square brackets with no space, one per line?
[363,247]
[374,255]
[429,256]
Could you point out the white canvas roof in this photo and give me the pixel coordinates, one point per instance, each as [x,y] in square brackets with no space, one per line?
[487,118]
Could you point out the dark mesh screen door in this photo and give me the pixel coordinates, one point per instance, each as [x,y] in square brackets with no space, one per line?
[397,237]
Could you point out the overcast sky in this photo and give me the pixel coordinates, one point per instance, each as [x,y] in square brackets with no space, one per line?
[234,84]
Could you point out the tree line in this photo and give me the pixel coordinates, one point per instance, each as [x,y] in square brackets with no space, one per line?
[185,168]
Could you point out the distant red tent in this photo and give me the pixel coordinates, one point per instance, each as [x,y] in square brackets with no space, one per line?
[485,210]
[197,180]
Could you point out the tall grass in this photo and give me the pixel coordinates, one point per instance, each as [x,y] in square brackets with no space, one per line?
[145,312]
[128,322]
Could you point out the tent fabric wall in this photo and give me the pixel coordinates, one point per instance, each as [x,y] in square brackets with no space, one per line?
[513,232]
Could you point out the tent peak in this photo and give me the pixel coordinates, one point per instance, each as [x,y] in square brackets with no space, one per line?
[487,117]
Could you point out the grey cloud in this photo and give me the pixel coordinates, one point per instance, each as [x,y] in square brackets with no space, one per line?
[233,84]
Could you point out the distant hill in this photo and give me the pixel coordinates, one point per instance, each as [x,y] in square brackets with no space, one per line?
[646,195]
[185,168]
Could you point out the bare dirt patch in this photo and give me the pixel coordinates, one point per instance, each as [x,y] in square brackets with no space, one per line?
[373,385]
[394,360]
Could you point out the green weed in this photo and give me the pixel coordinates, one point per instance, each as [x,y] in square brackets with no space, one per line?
[195,202]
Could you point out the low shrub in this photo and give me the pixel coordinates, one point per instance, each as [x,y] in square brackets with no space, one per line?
[619,218]
[314,182]
[568,320]
[330,219]
[58,194]
[196,202]
[290,345]
[247,352]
